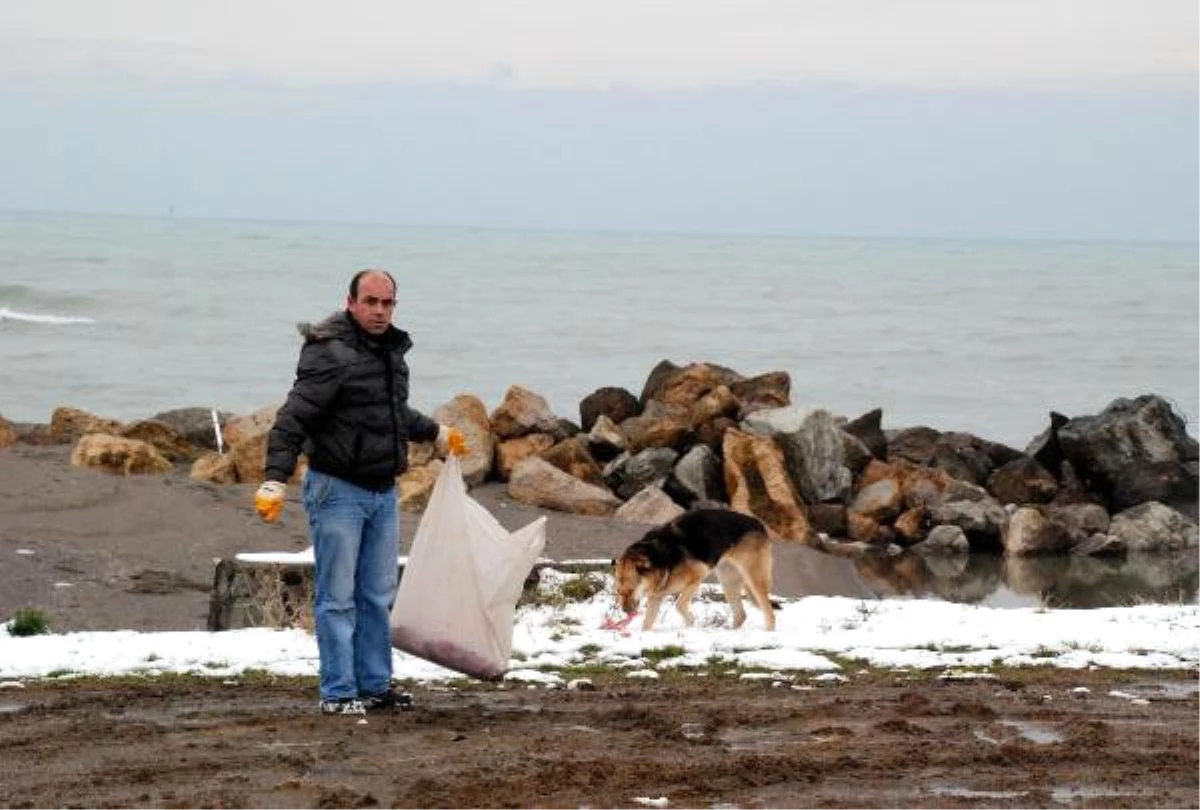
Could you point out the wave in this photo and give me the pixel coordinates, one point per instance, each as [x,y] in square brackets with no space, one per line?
[7,314]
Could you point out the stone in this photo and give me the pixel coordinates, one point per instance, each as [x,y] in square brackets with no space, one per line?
[415,485]
[651,505]
[113,454]
[522,412]
[214,468]
[573,457]
[758,484]
[616,404]
[1154,527]
[1031,531]
[69,424]
[511,452]
[1022,481]
[167,440]
[468,413]
[537,482]
[628,474]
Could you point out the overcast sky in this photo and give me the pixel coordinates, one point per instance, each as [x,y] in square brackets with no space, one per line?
[1012,118]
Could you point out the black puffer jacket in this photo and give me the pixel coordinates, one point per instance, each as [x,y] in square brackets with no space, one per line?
[348,408]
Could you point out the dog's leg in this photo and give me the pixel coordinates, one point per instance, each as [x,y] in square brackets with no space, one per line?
[653,604]
[683,602]
[757,576]
[731,584]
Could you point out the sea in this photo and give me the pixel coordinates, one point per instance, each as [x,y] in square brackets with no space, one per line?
[129,316]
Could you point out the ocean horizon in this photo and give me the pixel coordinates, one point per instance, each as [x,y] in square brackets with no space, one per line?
[126,316]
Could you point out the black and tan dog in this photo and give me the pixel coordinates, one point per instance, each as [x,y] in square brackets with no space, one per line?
[676,557]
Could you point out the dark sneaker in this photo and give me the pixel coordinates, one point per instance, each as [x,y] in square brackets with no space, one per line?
[390,701]
[343,706]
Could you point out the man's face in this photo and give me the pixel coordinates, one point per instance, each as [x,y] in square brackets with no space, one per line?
[375,303]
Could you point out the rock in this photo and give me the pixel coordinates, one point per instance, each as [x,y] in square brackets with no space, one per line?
[880,501]
[194,424]
[573,457]
[827,518]
[715,404]
[415,485]
[512,452]
[68,424]
[680,388]
[651,505]
[628,474]
[168,441]
[1022,481]
[982,521]
[605,440]
[1082,521]
[645,431]
[868,430]
[697,476]
[1031,531]
[911,524]
[944,540]
[617,404]
[1167,482]
[214,468]
[468,413]
[8,434]
[1133,451]
[758,484]
[915,444]
[537,482]
[117,455]
[770,390]
[1154,527]
[522,412]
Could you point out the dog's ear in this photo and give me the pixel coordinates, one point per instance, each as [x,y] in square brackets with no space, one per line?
[641,563]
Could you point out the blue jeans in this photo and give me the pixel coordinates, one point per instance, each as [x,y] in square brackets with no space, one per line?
[356,545]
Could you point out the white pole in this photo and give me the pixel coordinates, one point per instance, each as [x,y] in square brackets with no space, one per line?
[217,430]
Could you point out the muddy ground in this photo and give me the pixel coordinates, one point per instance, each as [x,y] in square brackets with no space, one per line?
[96,552]
[883,739]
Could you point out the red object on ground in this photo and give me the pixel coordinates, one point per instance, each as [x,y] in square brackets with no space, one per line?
[617,624]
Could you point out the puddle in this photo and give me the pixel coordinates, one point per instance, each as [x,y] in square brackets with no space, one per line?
[966,793]
[1066,794]
[755,739]
[1034,732]
[1167,690]
[12,708]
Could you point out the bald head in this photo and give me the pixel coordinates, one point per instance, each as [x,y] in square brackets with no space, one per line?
[372,300]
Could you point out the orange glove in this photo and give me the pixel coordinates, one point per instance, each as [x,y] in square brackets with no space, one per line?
[268,500]
[451,440]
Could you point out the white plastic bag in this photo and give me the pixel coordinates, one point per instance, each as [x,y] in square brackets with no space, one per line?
[461,584]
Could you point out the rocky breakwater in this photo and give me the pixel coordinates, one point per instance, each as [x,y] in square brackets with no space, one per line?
[1122,480]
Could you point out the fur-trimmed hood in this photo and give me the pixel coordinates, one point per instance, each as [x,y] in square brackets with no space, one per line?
[341,325]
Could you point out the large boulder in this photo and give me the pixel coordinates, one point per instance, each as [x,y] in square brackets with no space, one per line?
[68,424]
[468,413]
[1022,481]
[1154,527]
[537,482]
[523,412]
[758,483]
[1032,530]
[512,452]
[617,404]
[573,457]
[167,440]
[651,505]
[1134,451]
[627,474]
[770,390]
[697,476]
[120,456]
[194,424]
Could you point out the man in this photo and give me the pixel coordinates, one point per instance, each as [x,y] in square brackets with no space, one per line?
[348,411]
